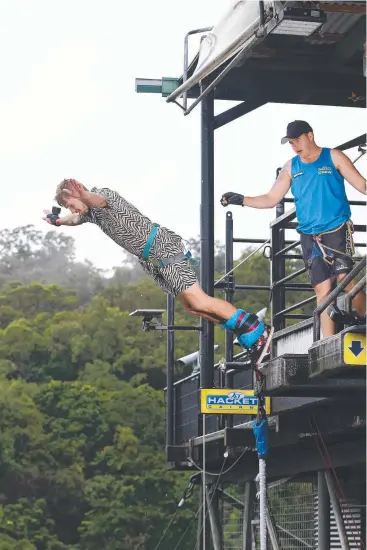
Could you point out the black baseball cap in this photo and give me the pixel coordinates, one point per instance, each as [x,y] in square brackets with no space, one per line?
[296,129]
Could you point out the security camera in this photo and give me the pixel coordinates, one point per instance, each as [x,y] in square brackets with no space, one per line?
[191,358]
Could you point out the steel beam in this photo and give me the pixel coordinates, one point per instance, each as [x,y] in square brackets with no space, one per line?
[212,503]
[229,297]
[207,236]
[236,112]
[338,514]
[170,372]
[323,513]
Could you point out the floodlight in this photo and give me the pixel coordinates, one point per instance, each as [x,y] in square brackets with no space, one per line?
[299,22]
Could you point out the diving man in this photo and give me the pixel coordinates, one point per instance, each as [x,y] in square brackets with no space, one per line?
[161,254]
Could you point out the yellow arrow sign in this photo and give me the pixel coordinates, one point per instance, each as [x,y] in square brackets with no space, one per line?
[354,348]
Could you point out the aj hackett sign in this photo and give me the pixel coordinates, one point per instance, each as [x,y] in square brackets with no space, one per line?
[229,401]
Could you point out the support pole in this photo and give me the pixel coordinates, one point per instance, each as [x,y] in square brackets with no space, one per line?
[170,371]
[271,531]
[229,297]
[323,513]
[337,512]
[207,236]
[212,503]
[249,499]
[199,534]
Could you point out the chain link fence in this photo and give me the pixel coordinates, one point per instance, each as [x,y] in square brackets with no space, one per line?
[293,511]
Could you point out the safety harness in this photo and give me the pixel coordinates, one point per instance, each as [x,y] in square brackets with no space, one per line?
[166,261]
[326,252]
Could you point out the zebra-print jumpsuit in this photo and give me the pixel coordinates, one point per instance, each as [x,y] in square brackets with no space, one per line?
[130,229]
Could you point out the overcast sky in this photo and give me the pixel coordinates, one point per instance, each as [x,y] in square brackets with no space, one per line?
[68,108]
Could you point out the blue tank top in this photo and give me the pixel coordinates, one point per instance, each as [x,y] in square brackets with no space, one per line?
[319,194]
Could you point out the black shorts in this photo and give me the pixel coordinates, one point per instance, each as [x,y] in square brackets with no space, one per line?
[319,270]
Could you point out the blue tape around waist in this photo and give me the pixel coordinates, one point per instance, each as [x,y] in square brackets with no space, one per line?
[166,261]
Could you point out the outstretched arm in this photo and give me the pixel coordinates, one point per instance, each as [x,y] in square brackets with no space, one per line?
[347,169]
[268,200]
[70,220]
[276,193]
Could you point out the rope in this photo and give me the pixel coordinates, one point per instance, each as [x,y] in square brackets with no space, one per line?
[263,506]
[187,494]
[243,261]
[329,462]
[188,528]
[167,529]
[221,473]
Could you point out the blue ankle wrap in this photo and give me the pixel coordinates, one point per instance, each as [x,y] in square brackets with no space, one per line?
[246,339]
[231,323]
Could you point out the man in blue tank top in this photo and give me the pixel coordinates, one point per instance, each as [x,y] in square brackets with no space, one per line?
[316,178]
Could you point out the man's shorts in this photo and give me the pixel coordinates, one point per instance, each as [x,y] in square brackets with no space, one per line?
[319,270]
[174,278]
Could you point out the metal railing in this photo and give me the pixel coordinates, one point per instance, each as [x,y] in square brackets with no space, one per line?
[183,396]
[336,292]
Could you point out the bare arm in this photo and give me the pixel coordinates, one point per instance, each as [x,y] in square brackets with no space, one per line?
[347,169]
[93,200]
[70,220]
[276,193]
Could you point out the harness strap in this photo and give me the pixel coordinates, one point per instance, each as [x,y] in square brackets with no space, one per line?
[166,261]
[325,249]
[150,241]
[173,259]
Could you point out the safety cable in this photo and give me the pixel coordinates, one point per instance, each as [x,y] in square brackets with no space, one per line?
[196,515]
[210,502]
[187,494]
[188,527]
[243,261]
[328,462]
[220,473]
[167,529]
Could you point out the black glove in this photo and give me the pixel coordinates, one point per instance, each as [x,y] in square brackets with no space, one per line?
[232,198]
[54,216]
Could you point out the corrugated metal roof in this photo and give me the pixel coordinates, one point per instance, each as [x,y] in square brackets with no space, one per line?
[340,23]
[361,3]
